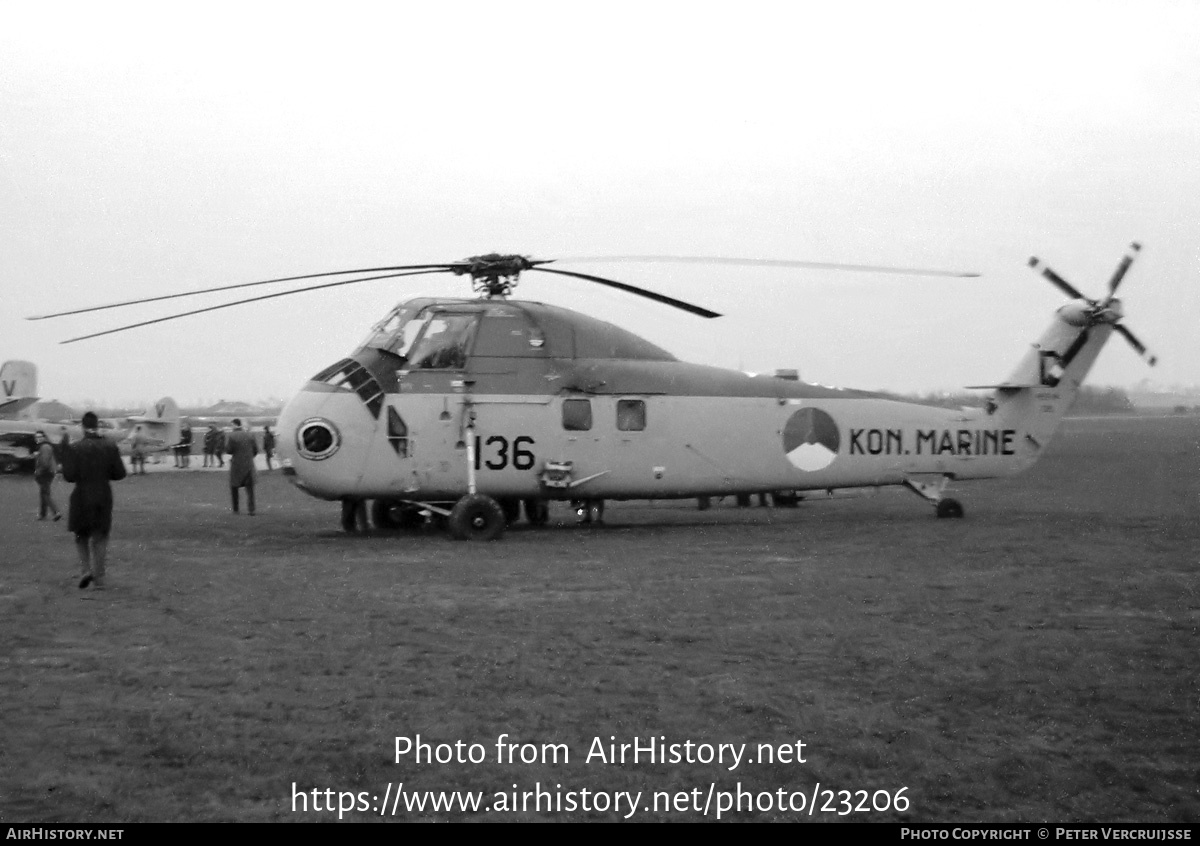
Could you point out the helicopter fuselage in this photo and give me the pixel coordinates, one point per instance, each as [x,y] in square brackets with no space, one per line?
[526,400]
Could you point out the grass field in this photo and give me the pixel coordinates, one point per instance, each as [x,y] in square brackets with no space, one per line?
[1036,661]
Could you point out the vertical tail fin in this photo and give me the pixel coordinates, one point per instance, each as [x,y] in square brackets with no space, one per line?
[18,381]
[165,410]
[1047,380]
[160,422]
[166,413]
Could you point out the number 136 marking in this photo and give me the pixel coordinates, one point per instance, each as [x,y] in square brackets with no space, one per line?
[499,457]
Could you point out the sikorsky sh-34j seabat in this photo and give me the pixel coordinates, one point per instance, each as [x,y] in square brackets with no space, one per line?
[465,410]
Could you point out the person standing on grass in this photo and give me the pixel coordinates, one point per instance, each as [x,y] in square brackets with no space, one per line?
[45,468]
[185,446]
[241,448]
[210,446]
[91,464]
[137,452]
[268,444]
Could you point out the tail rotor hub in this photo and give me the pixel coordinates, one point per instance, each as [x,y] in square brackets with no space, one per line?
[1084,311]
[1109,311]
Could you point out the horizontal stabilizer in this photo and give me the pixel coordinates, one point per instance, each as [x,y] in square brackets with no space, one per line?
[16,405]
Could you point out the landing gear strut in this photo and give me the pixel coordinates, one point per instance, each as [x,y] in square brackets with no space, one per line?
[931,492]
[395,515]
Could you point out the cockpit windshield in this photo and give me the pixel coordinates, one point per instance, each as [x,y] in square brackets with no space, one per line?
[429,336]
[444,343]
[396,332]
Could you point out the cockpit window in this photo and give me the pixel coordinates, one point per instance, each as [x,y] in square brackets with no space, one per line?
[396,332]
[445,341]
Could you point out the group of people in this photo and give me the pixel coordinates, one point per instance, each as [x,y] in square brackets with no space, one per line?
[94,462]
[215,446]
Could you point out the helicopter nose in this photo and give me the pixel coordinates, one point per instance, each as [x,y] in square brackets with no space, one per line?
[319,442]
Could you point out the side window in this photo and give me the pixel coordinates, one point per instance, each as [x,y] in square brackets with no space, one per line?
[397,433]
[577,415]
[631,415]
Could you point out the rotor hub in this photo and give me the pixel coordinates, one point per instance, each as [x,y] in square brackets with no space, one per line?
[494,275]
[1109,311]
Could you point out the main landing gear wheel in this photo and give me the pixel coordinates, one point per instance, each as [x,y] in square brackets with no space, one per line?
[393,515]
[537,512]
[477,517]
[949,508]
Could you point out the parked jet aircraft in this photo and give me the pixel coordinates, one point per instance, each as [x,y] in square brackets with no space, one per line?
[159,425]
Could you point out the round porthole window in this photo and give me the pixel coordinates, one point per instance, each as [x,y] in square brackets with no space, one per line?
[317,439]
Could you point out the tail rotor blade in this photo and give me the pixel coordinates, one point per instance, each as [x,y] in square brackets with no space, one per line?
[1122,268]
[1150,358]
[1060,283]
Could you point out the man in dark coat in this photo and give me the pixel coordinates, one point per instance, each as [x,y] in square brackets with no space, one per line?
[242,448]
[183,452]
[91,464]
[268,444]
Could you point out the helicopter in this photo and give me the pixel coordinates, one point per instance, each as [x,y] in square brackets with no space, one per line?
[464,412]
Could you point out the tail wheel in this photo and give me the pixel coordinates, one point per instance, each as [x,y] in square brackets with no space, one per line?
[537,512]
[949,508]
[477,517]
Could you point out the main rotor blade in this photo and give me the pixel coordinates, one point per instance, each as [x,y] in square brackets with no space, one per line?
[1122,268]
[422,267]
[250,300]
[1062,284]
[633,289]
[1151,359]
[752,262]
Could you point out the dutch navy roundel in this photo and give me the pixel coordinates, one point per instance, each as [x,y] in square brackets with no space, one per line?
[811,439]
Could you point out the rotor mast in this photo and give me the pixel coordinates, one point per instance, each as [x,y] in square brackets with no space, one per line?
[494,275]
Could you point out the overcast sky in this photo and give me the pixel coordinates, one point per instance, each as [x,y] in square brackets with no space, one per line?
[158,148]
